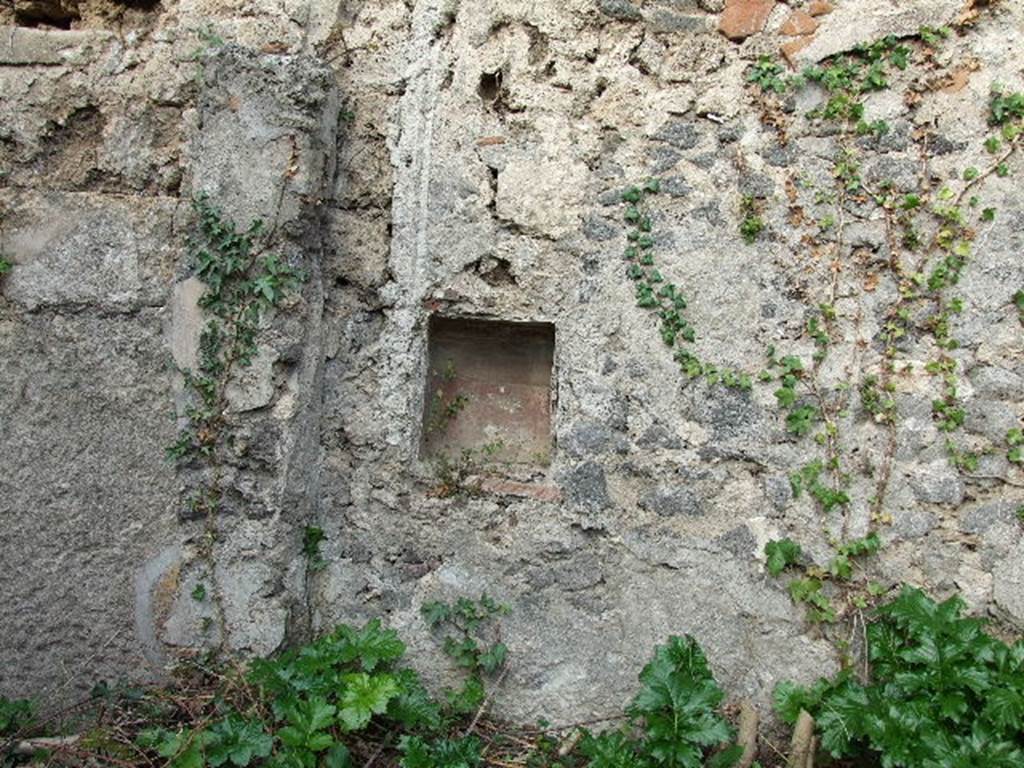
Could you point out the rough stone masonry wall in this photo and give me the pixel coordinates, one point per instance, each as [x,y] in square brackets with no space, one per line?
[469,158]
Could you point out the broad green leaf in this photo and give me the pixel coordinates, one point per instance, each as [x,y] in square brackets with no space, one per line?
[364,697]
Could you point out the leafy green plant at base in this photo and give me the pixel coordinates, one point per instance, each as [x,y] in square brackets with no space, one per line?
[440,753]
[15,714]
[674,719]
[465,623]
[942,692]
[338,685]
[5,266]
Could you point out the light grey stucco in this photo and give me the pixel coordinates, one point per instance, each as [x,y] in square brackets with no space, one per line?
[363,137]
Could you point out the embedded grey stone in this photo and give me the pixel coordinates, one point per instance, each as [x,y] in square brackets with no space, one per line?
[676,186]
[913,523]
[865,234]
[669,501]
[679,133]
[1008,585]
[780,155]
[998,383]
[620,10]
[756,185]
[578,572]
[779,490]
[979,518]
[730,414]
[594,438]
[991,418]
[665,21]
[941,145]
[706,161]
[727,134]
[611,197]
[938,483]
[659,436]
[596,228]
[585,485]
[901,172]
[739,541]
[662,159]
[709,212]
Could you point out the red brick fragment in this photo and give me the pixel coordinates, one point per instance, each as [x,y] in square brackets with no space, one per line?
[799,23]
[820,8]
[537,491]
[743,18]
[790,49]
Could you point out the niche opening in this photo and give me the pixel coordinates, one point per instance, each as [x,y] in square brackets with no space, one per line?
[488,390]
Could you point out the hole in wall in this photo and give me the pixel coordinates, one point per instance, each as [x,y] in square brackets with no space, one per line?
[493,180]
[46,13]
[488,390]
[495,271]
[490,86]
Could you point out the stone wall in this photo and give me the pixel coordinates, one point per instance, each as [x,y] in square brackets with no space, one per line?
[468,160]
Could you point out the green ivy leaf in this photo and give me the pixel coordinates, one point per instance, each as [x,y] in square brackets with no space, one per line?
[435,612]
[781,553]
[801,420]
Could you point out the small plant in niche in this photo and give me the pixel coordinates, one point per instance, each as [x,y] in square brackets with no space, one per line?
[444,410]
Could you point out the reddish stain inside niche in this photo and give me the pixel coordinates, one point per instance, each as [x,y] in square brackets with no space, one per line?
[489,390]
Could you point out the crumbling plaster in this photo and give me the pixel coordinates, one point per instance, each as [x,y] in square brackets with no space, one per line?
[361,134]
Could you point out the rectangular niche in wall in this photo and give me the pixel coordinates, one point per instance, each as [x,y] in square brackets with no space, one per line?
[488,389]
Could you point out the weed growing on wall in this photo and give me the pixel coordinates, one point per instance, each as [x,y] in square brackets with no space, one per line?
[931,235]
[663,298]
[312,538]
[244,282]
[471,640]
